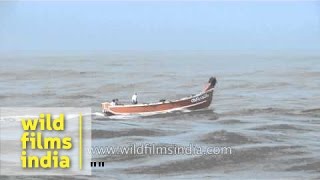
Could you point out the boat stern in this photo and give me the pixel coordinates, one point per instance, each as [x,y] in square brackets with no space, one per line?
[105,107]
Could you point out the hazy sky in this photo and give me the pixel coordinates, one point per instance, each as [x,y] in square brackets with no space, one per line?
[247,26]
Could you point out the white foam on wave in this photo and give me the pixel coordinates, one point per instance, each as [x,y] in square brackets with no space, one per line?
[16,118]
[98,114]
[121,117]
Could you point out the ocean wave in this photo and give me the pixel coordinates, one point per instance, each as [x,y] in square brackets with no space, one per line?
[125,133]
[254,111]
[240,157]
[224,137]
[281,128]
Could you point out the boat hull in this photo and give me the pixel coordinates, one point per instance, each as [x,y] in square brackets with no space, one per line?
[200,101]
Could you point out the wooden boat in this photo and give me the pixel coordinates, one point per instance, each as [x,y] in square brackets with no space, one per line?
[199,101]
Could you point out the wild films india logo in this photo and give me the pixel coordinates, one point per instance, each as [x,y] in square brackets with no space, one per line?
[45,141]
[33,138]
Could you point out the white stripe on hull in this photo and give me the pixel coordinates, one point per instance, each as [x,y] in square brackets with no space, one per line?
[155,112]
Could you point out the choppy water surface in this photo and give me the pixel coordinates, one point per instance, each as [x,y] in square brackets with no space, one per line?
[265,107]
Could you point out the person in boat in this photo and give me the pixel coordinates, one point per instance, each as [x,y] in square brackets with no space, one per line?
[211,83]
[113,103]
[134,99]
